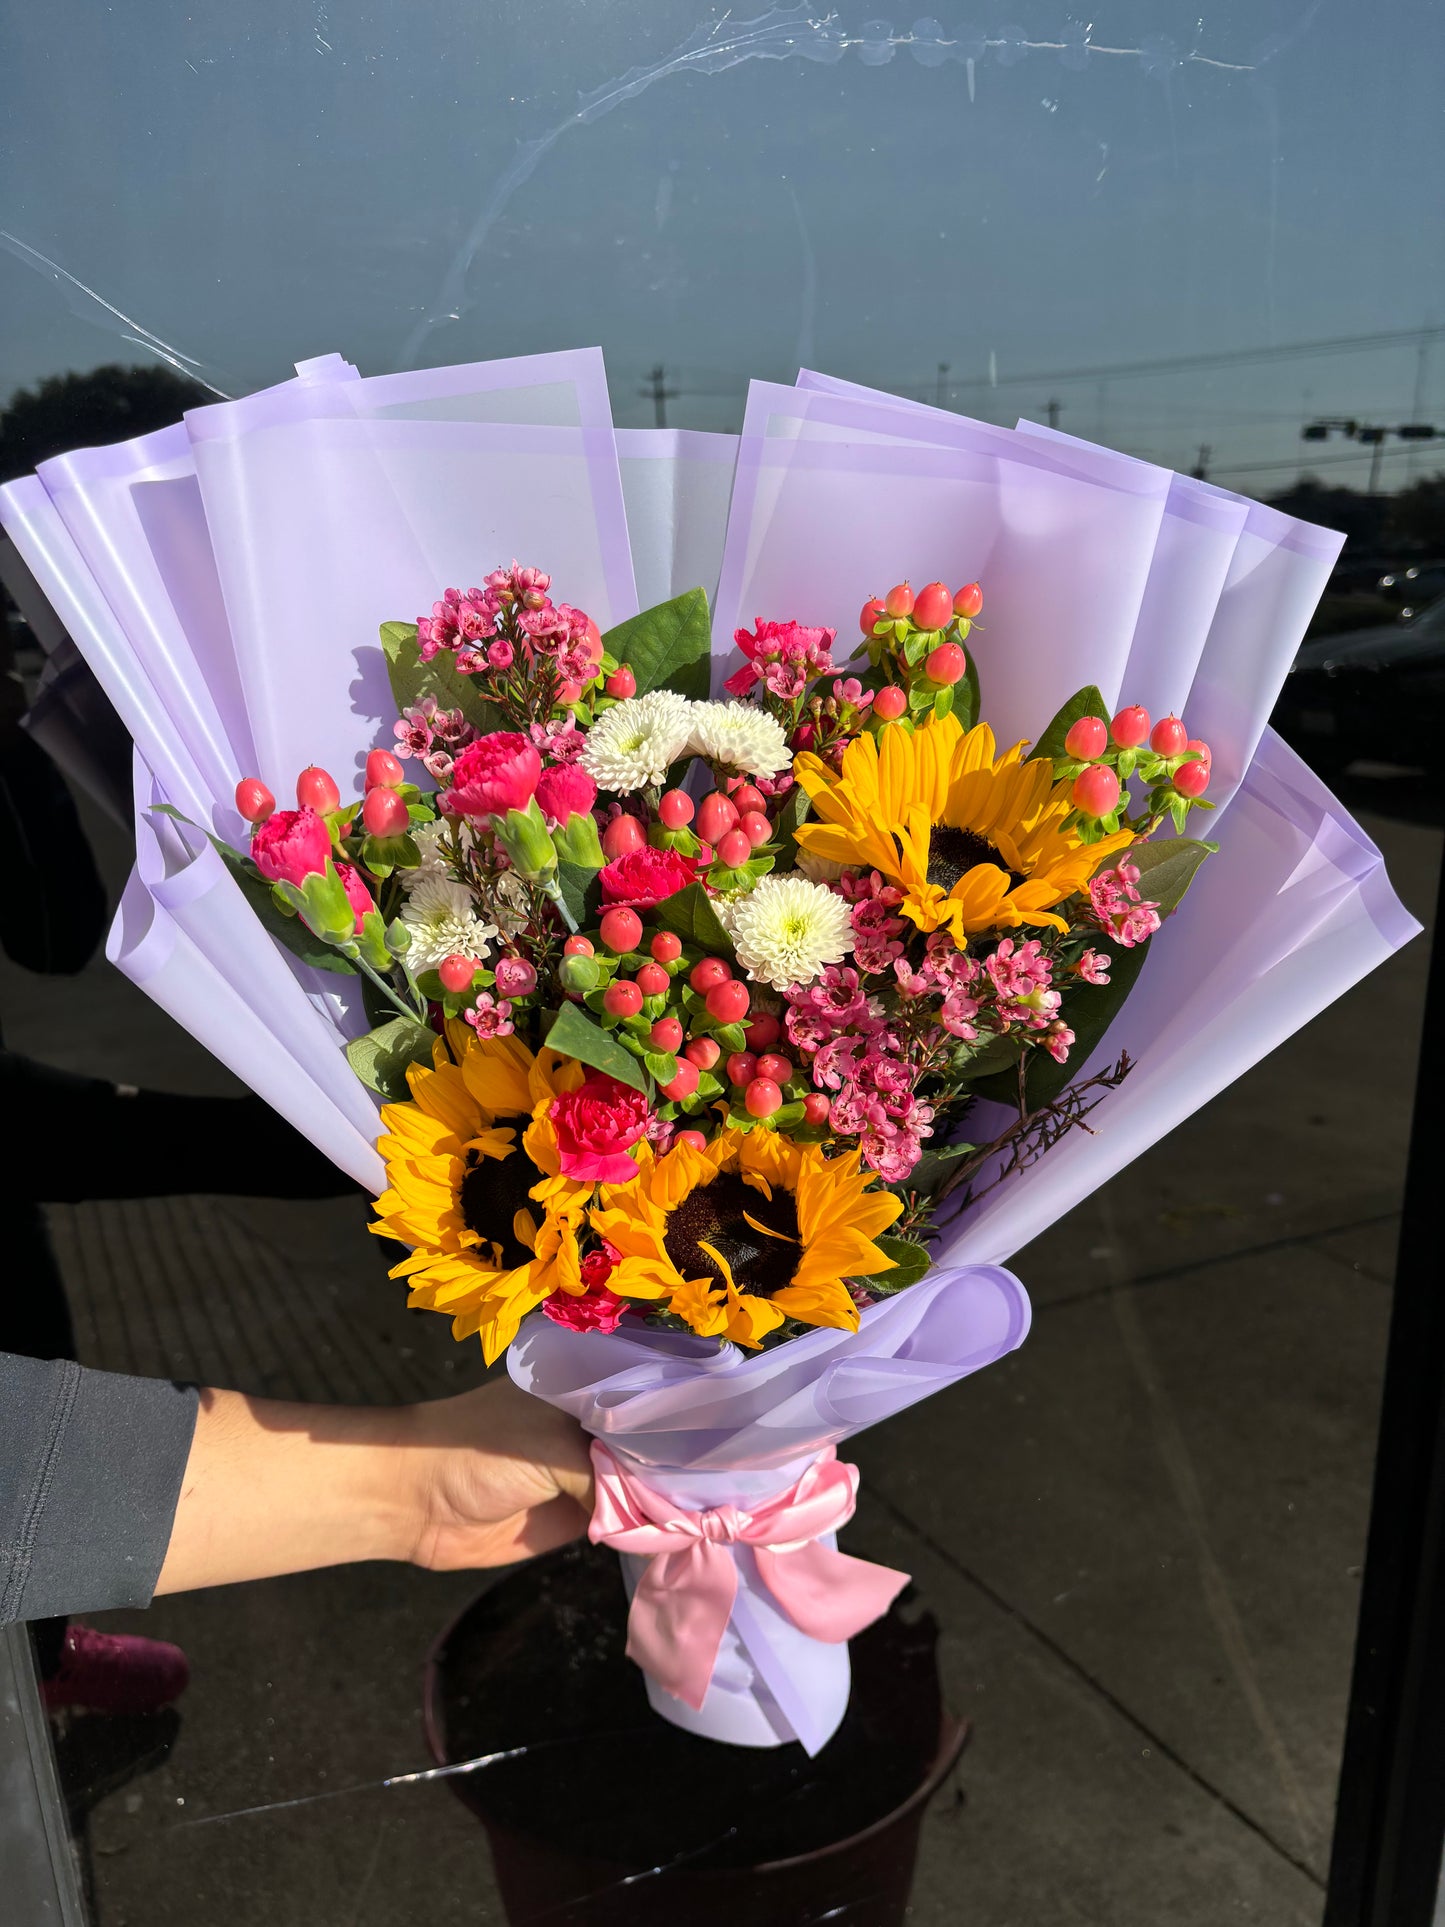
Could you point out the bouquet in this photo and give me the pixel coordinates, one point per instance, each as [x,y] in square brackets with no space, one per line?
[731,1014]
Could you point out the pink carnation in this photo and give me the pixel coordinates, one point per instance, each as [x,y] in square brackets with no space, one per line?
[596,1310]
[291,846]
[565,792]
[495,774]
[596,1127]
[644,877]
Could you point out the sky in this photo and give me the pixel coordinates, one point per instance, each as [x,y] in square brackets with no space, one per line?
[730,192]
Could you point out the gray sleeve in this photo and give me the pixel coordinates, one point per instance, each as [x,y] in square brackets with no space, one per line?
[90,1471]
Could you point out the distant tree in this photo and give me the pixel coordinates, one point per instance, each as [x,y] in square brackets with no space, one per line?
[1417,515]
[1360,518]
[110,404]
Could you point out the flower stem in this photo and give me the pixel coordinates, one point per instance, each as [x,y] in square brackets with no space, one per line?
[407,1010]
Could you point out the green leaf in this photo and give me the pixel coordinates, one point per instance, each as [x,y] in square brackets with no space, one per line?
[691,915]
[1087,701]
[1166,869]
[383,854]
[575,1035]
[411,679]
[380,1059]
[933,1167]
[668,647]
[662,1065]
[1088,1010]
[289,931]
[966,698]
[372,939]
[991,1055]
[794,813]
[910,1263]
[581,891]
[943,703]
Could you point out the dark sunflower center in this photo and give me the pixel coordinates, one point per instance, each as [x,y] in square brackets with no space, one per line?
[953,853]
[717,1214]
[493,1191]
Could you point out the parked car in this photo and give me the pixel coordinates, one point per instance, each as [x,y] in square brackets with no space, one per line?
[1373,694]
[1413,587]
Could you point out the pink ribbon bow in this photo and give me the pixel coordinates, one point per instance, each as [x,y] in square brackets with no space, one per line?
[685,1596]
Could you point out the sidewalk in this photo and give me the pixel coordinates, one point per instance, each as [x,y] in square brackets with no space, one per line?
[1142,1533]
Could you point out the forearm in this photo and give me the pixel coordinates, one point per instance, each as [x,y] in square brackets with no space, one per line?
[273,1488]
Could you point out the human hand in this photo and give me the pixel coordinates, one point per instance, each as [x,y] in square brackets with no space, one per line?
[504,1476]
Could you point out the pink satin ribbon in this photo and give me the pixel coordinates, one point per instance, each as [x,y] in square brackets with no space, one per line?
[685,1596]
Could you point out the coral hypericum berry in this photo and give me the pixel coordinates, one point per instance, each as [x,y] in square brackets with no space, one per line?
[676,809]
[666,947]
[1096,790]
[621,683]
[872,612]
[716,815]
[383,771]
[652,981]
[577,947]
[253,800]
[666,1033]
[621,929]
[316,790]
[623,835]
[1168,737]
[742,1067]
[457,973]
[762,1097]
[728,1003]
[899,601]
[1130,726]
[1087,738]
[945,664]
[734,849]
[684,1083]
[708,971]
[968,601]
[815,1108]
[384,813]
[890,702]
[1192,779]
[622,999]
[703,1051]
[933,606]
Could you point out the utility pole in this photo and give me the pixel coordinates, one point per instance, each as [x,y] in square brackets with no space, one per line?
[940,387]
[1417,406]
[658,394]
[1371,435]
[1200,470]
[1052,409]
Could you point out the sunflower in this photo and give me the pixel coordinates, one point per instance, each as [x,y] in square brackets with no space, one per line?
[492,1221]
[974,840]
[746,1232]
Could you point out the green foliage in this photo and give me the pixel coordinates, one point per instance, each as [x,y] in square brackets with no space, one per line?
[1087,701]
[411,679]
[933,1167]
[383,854]
[575,1035]
[580,889]
[966,697]
[380,1059]
[286,928]
[668,647]
[691,915]
[1166,868]
[910,1263]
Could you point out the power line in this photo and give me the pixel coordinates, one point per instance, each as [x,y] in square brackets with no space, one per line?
[1223,358]
[1308,463]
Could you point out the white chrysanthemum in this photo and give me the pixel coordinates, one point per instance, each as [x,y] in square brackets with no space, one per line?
[433,865]
[634,744]
[787,928]
[822,869]
[741,737]
[443,923]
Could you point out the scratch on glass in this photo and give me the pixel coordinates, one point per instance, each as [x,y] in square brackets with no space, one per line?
[783,33]
[91,306]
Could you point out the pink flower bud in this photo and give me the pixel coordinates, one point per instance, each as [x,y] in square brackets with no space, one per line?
[516,977]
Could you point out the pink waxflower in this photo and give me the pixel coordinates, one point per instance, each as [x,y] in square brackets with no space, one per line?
[500,654]
[596,1127]
[451,728]
[784,656]
[489,1018]
[1093,967]
[564,792]
[515,976]
[290,846]
[495,774]
[1117,907]
[1057,1040]
[413,729]
[956,1014]
[597,1309]
[850,690]
[456,619]
[559,739]
[1021,975]
[644,877]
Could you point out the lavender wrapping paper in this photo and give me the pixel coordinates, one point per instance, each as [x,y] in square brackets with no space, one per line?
[706,1425]
[188,588]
